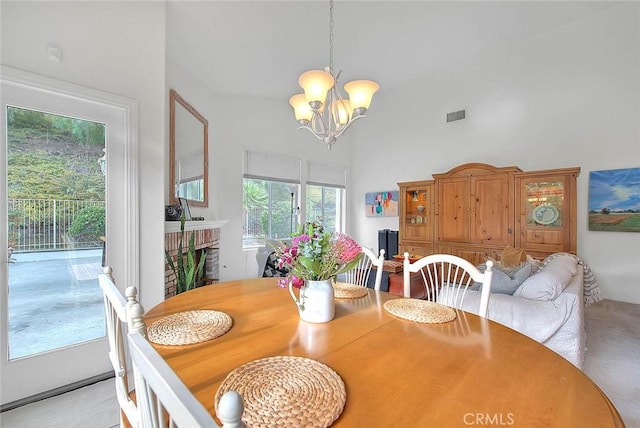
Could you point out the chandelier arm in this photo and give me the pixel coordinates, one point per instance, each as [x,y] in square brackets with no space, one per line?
[317,123]
[308,128]
[353,119]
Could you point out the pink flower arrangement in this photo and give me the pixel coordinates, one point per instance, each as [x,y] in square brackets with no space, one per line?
[317,255]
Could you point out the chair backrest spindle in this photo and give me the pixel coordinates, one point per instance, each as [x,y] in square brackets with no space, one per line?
[360,275]
[447,278]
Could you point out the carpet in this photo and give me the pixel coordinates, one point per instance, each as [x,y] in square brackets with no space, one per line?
[613,355]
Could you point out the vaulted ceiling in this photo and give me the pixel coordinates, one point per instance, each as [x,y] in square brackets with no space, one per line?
[259,48]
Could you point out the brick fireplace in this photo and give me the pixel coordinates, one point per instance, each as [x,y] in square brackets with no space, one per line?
[207,237]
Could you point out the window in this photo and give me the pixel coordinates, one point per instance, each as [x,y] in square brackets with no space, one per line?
[269,210]
[270,189]
[325,206]
[325,196]
[273,190]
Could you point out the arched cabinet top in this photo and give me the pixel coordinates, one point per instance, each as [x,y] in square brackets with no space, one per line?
[473,169]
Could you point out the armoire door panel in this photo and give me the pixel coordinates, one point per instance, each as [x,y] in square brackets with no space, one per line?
[453,210]
[490,202]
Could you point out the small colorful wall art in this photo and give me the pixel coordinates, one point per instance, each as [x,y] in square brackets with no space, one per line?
[614,200]
[381,204]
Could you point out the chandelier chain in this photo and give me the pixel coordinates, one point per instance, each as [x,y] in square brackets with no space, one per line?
[331,36]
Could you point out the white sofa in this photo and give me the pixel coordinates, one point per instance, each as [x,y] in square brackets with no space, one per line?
[548,307]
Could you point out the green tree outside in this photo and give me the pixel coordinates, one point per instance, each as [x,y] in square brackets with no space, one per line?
[51,157]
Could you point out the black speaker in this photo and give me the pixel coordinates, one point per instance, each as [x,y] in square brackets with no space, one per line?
[392,244]
[388,240]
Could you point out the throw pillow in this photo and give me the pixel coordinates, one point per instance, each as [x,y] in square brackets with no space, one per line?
[566,260]
[505,282]
[513,256]
[545,285]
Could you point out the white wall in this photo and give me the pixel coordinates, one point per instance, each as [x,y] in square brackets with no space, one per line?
[116,47]
[568,98]
[237,123]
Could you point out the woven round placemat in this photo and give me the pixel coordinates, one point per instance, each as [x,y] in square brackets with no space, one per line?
[420,310]
[184,328]
[286,391]
[343,290]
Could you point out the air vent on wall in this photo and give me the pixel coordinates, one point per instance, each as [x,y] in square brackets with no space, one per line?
[456,115]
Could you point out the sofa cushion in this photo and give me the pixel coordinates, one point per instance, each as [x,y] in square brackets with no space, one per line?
[546,284]
[506,280]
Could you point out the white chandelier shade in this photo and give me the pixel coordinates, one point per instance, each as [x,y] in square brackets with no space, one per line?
[361,92]
[316,84]
[301,108]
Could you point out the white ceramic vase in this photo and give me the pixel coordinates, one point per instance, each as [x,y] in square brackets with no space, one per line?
[315,301]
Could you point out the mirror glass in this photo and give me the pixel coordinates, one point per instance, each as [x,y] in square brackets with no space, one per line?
[189,148]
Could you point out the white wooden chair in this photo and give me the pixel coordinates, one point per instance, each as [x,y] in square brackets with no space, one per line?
[447,278]
[360,275]
[119,313]
[163,398]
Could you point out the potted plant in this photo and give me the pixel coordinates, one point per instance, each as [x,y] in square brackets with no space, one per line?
[187,269]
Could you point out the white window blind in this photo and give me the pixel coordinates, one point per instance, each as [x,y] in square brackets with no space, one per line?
[271,166]
[321,174]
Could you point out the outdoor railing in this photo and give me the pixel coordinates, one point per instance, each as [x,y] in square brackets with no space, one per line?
[42,224]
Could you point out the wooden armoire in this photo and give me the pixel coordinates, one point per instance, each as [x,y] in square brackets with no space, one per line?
[475,210]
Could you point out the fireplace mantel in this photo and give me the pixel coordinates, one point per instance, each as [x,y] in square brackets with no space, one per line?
[174,226]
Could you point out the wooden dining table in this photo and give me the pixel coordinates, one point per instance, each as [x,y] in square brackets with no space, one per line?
[397,373]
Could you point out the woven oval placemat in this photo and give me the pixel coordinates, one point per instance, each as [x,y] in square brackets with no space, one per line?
[343,290]
[286,391]
[185,328]
[420,310]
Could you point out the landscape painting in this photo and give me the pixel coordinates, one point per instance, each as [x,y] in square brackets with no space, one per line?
[614,200]
[381,204]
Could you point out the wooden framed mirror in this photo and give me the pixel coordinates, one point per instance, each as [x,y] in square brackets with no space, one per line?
[188,153]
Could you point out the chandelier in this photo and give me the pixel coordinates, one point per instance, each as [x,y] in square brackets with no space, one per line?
[321,109]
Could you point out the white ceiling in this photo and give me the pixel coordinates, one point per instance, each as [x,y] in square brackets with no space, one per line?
[259,48]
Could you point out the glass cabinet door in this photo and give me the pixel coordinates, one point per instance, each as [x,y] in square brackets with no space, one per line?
[415,215]
[544,202]
[546,221]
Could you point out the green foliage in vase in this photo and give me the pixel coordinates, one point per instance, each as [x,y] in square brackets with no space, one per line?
[188,274]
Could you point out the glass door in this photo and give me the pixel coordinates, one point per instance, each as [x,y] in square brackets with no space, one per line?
[56,230]
[63,169]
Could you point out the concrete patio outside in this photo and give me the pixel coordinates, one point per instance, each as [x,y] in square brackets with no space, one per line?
[54,300]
